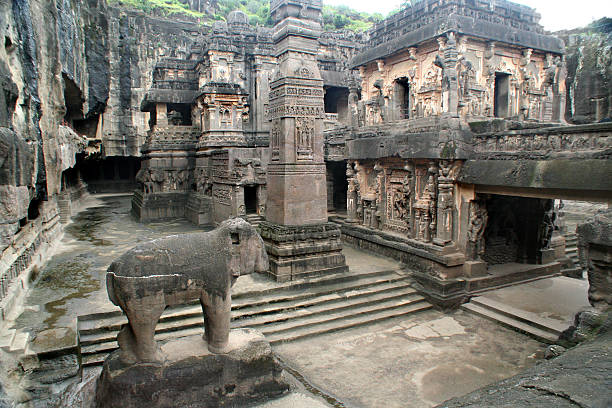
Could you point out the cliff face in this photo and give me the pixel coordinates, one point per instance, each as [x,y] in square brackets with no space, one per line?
[73,64]
[136,42]
[48,55]
[589,72]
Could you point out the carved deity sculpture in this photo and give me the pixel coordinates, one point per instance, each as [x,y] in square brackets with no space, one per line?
[444,233]
[476,226]
[179,269]
[547,226]
[352,196]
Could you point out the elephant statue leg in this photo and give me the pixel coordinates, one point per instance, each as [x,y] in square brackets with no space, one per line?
[217,315]
[143,315]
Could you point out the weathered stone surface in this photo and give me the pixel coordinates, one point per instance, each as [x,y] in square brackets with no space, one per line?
[194,377]
[589,72]
[595,245]
[179,269]
[590,177]
[579,377]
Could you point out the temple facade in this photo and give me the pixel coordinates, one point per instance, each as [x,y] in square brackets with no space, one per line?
[438,138]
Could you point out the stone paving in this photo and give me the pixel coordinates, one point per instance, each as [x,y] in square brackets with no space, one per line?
[418,361]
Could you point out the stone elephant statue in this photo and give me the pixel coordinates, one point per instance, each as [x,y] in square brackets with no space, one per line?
[179,269]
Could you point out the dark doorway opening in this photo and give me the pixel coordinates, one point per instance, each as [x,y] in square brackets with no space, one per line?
[402,98]
[502,95]
[115,174]
[513,231]
[336,186]
[250,199]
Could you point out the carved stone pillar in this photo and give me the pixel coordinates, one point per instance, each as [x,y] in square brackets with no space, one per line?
[446,204]
[352,193]
[299,240]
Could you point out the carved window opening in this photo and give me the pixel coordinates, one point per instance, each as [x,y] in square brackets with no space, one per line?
[250,199]
[402,98]
[179,114]
[336,103]
[501,106]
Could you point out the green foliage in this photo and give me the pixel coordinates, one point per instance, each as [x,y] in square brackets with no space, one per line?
[344,17]
[258,11]
[163,7]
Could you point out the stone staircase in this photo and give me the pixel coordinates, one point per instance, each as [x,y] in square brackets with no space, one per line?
[14,341]
[253,219]
[571,247]
[531,324]
[571,252]
[312,307]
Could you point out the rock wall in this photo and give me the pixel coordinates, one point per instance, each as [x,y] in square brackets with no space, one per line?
[53,72]
[136,42]
[589,72]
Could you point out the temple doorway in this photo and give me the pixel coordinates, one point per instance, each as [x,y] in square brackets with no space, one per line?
[250,199]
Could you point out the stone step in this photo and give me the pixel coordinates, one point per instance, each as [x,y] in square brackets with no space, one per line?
[7,339]
[261,314]
[349,322]
[554,327]
[308,318]
[95,354]
[301,316]
[308,312]
[113,320]
[20,342]
[540,335]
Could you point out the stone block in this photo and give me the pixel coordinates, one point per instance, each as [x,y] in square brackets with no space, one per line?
[191,376]
[301,251]
[547,256]
[473,269]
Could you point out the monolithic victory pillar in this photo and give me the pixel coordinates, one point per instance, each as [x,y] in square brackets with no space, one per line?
[299,240]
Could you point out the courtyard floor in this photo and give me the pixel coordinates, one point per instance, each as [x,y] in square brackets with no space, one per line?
[416,361]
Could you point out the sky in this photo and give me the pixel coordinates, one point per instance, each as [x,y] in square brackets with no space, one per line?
[556,14]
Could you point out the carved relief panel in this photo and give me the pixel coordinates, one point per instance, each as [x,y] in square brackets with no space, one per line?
[304,138]
[399,209]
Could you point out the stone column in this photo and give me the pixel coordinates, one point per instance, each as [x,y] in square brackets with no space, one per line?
[299,240]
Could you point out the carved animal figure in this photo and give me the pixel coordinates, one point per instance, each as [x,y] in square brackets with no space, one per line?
[178,269]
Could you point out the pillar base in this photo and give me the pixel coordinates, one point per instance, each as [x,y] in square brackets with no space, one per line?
[302,251]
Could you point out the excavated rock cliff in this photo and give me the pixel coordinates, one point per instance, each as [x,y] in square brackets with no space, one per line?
[589,72]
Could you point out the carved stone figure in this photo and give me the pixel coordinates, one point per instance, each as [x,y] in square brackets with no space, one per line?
[476,227]
[179,269]
[547,226]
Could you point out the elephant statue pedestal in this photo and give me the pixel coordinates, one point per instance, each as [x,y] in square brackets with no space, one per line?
[192,376]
